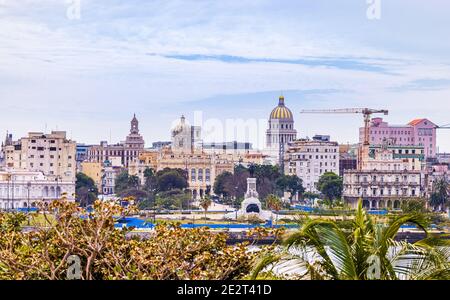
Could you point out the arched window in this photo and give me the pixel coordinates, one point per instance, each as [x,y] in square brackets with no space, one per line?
[45,192]
[200,175]
[193,175]
[207,175]
[52,192]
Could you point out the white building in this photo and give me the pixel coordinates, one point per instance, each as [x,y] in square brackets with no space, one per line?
[234,148]
[389,175]
[109,174]
[22,189]
[124,153]
[281,131]
[52,154]
[186,138]
[310,159]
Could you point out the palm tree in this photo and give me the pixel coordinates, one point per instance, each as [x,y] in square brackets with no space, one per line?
[274,203]
[441,194]
[205,203]
[321,250]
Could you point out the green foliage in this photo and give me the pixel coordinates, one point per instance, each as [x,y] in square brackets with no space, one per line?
[311,196]
[164,188]
[219,184]
[11,222]
[85,189]
[362,250]
[171,179]
[205,203]
[331,186]
[148,203]
[291,184]
[414,206]
[235,185]
[173,199]
[126,182]
[273,202]
[106,253]
[151,182]
[251,219]
[441,194]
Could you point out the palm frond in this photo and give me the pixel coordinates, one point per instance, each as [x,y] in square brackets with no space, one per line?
[266,259]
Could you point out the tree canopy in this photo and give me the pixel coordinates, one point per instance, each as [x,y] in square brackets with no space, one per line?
[366,251]
[331,186]
[441,194]
[85,190]
[170,179]
[108,253]
[269,180]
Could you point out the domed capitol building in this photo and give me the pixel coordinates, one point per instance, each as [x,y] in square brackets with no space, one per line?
[281,130]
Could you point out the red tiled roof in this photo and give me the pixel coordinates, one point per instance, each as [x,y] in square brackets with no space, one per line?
[418,121]
[415,122]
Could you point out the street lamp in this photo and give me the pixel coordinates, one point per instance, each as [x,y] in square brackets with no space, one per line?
[28,200]
[8,178]
[235,201]
[57,186]
[12,204]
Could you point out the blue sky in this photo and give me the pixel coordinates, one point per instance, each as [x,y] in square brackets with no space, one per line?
[229,59]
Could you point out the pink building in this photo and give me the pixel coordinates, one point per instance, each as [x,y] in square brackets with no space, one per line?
[419,132]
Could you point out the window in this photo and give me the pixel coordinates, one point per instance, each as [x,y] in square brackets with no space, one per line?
[193,175]
[207,175]
[200,175]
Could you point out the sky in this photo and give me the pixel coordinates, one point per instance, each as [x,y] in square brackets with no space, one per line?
[86,66]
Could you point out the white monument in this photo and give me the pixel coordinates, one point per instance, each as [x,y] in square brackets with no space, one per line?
[251,206]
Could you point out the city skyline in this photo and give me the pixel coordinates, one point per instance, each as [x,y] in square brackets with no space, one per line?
[162,59]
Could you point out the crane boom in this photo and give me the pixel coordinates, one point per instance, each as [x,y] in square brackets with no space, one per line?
[345,111]
[366,112]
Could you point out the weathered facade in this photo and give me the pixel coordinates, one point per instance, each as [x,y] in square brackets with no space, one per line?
[310,159]
[127,151]
[22,189]
[52,154]
[389,176]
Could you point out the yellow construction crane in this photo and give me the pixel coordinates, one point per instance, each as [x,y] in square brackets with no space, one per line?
[366,112]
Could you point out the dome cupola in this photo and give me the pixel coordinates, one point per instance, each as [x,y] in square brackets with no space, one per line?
[281,112]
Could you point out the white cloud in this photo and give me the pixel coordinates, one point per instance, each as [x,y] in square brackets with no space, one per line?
[90,74]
